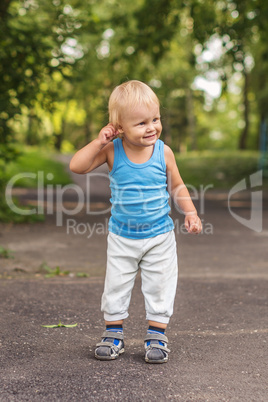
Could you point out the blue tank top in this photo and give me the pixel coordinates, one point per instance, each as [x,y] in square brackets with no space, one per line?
[139,196]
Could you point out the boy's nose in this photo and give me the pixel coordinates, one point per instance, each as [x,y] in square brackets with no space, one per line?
[150,127]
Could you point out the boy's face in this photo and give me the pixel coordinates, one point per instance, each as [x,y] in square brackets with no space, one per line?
[142,125]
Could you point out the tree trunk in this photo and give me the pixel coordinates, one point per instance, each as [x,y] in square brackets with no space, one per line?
[30,130]
[31,136]
[166,130]
[59,137]
[3,8]
[245,132]
[191,118]
[87,132]
[58,141]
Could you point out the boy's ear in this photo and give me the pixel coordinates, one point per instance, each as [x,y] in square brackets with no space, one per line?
[120,131]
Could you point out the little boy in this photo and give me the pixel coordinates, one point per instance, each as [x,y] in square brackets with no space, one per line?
[142,172]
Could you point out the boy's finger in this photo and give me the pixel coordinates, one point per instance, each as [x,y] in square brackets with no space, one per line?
[197,228]
[110,125]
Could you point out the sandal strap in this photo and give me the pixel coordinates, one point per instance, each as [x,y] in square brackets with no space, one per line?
[156,346]
[113,335]
[108,344]
[156,337]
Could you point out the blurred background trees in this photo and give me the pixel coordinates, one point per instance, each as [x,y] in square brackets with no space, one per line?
[206,60]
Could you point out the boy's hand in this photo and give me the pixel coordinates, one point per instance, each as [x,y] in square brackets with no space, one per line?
[193,224]
[107,133]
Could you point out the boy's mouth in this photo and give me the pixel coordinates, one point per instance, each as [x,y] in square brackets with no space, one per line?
[150,136]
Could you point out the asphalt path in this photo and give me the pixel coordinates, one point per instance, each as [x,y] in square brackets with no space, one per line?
[218,334]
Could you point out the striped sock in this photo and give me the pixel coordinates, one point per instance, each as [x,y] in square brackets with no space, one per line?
[155,330]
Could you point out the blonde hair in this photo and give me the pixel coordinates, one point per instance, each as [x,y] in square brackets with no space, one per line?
[127,96]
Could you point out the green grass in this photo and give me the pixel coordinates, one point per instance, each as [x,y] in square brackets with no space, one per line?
[44,167]
[34,160]
[5,253]
[222,169]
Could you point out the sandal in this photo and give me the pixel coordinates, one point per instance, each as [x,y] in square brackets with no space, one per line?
[106,349]
[155,352]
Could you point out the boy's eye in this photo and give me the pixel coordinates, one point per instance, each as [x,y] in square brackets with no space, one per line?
[141,123]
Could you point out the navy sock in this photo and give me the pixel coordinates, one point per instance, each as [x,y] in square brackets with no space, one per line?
[155,330]
[117,327]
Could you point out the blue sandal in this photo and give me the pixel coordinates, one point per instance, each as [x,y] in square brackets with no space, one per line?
[154,351]
[107,349]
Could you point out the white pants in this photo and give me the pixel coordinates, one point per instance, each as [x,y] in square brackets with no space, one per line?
[157,259]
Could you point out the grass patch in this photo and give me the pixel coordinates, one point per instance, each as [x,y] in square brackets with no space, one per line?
[222,169]
[34,160]
[44,167]
[5,253]
[49,272]
[7,215]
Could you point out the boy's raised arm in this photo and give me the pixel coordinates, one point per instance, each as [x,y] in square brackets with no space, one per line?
[93,154]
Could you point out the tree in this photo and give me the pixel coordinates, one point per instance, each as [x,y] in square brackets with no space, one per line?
[34,42]
[236,24]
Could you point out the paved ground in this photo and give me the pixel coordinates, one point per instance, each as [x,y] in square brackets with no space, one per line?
[218,334]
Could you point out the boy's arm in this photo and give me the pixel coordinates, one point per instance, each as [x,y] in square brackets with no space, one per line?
[94,154]
[180,194]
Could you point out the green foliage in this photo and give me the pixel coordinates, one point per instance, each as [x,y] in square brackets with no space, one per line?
[8,153]
[61,59]
[32,37]
[156,29]
[43,166]
[50,272]
[221,169]
[5,253]
[7,215]
[81,275]
[242,28]
[34,160]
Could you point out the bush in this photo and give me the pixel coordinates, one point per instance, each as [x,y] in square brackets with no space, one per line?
[223,169]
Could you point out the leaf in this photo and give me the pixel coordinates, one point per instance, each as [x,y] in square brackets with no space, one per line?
[59,325]
[55,272]
[82,275]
